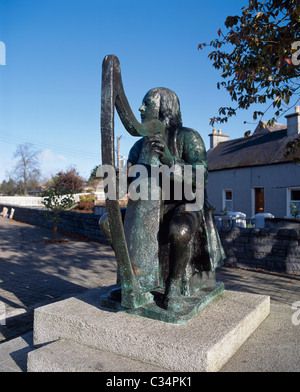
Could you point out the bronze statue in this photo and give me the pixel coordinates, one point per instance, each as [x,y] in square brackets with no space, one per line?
[171,248]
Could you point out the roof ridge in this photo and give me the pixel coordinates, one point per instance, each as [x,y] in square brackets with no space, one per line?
[255,150]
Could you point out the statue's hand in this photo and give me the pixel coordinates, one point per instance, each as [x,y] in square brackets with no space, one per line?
[159,146]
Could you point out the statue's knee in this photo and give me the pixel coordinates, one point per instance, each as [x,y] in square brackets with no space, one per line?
[180,233]
[104,226]
[103,220]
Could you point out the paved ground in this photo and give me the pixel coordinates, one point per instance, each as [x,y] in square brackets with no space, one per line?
[34,272]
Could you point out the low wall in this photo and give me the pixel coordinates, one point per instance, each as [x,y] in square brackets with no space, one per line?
[80,224]
[282,223]
[269,249]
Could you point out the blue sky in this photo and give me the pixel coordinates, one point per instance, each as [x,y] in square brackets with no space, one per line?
[50,86]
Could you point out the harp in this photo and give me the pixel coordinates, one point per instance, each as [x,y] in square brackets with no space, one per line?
[113,96]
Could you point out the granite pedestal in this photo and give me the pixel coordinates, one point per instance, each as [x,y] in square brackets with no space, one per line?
[205,343]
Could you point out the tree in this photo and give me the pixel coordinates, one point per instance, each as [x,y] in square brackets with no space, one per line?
[93,180]
[258,58]
[56,200]
[93,175]
[69,180]
[9,188]
[27,168]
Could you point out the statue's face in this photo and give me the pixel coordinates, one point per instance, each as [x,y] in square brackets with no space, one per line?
[150,107]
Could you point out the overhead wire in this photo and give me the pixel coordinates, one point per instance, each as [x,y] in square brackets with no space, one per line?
[15,139]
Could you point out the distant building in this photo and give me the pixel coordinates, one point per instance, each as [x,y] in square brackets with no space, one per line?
[38,191]
[251,174]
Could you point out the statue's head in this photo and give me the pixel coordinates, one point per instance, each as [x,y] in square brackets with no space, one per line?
[161,104]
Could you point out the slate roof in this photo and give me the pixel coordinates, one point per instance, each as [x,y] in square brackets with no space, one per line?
[256,150]
[263,127]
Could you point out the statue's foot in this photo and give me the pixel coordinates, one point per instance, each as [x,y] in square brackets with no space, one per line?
[115,294]
[174,303]
[173,297]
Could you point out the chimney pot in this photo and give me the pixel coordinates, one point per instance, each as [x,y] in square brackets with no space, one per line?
[216,138]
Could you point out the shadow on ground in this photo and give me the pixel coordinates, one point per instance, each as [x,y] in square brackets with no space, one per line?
[35,273]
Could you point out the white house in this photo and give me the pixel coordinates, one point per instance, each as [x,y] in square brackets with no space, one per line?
[251,174]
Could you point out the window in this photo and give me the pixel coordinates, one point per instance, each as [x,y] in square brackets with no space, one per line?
[227,200]
[294,200]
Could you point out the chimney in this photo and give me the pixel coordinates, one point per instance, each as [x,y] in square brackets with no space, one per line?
[217,137]
[293,122]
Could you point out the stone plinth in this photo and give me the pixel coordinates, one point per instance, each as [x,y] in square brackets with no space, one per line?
[205,343]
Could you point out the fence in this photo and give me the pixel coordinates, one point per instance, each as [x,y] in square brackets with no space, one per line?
[34,201]
[21,201]
[233,221]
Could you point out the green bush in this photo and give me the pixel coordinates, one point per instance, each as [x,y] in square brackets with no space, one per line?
[87,198]
[56,200]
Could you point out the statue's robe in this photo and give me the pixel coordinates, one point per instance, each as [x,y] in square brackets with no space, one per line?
[187,147]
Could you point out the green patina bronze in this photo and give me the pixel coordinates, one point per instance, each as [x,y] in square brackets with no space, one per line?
[167,252]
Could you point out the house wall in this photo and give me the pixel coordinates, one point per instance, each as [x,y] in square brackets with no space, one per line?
[274,178]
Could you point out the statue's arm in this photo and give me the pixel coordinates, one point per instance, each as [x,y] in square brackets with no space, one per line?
[192,152]
[133,157]
[134,152]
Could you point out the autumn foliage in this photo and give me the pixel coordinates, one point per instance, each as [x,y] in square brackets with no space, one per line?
[69,180]
[255,57]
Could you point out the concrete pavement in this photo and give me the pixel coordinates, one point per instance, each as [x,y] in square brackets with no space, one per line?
[34,272]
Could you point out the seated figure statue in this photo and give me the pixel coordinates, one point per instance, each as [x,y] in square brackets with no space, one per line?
[189,245]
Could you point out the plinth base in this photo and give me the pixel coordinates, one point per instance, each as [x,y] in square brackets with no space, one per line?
[205,343]
[189,306]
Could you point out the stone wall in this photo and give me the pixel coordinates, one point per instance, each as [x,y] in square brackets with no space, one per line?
[79,224]
[269,249]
